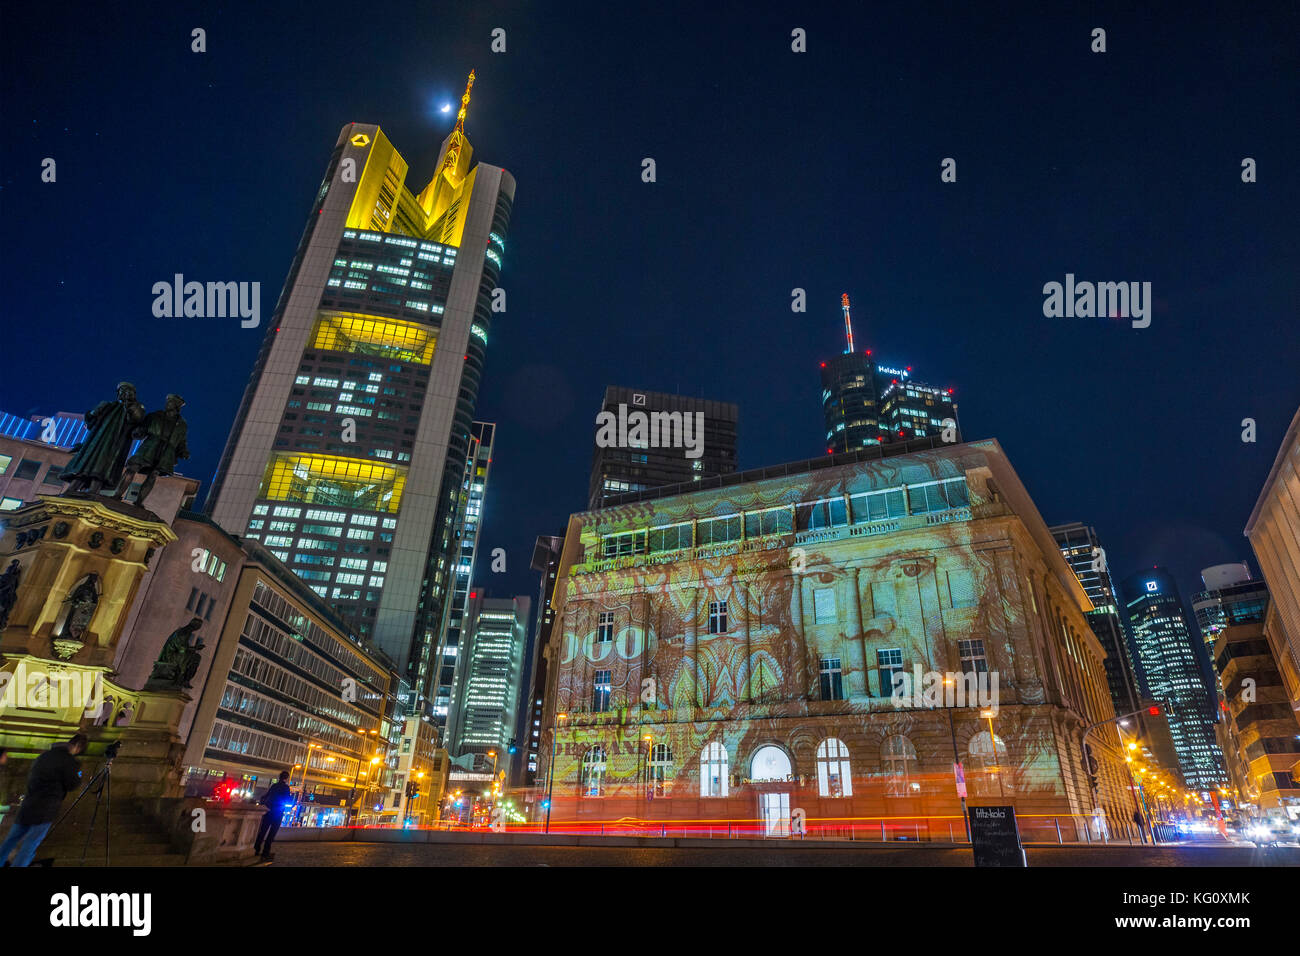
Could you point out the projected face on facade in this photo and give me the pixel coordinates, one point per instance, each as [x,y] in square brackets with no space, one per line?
[759,634]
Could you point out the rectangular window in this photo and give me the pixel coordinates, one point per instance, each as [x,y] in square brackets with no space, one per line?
[890,662]
[878,505]
[832,679]
[720,530]
[670,538]
[884,599]
[27,469]
[600,692]
[831,513]
[824,606]
[973,660]
[767,522]
[938,496]
[625,543]
[605,630]
[717,617]
[961,588]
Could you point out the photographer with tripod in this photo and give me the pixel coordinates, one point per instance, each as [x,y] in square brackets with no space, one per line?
[53,775]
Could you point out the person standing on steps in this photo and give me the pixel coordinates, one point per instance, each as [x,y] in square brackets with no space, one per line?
[276,799]
[52,776]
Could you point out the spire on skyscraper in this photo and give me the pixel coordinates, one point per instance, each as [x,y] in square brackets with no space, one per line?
[458,134]
[848,322]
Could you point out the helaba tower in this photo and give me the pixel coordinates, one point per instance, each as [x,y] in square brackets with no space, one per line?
[346,458]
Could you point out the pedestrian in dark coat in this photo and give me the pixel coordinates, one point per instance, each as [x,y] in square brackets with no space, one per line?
[277,799]
[52,776]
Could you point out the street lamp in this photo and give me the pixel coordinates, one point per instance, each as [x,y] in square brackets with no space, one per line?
[988,714]
[550,774]
[352,798]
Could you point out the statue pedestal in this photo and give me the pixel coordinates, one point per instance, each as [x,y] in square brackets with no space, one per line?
[80,560]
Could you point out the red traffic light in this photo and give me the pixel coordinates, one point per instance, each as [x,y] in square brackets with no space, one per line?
[1154,710]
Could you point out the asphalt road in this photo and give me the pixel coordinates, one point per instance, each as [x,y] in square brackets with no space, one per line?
[448,854]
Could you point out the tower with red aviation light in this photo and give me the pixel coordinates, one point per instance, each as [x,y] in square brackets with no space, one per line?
[848,322]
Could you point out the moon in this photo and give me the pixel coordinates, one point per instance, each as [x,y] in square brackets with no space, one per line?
[446,107]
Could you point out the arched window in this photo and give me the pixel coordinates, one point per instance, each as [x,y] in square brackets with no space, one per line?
[988,764]
[898,760]
[770,763]
[593,773]
[713,770]
[833,777]
[661,761]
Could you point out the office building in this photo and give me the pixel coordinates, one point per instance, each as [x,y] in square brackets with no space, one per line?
[865,403]
[488,692]
[347,453]
[286,686]
[1087,559]
[1274,533]
[528,728]
[736,653]
[656,440]
[910,409]
[1231,596]
[1171,672]
[469,513]
[1258,731]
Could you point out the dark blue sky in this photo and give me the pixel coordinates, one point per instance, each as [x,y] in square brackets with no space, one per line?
[775,170]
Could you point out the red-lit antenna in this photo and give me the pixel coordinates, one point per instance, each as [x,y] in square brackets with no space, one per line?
[848,322]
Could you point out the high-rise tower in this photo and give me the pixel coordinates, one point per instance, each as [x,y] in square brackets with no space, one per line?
[1082,550]
[1171,673]
[349,446]
[865,403]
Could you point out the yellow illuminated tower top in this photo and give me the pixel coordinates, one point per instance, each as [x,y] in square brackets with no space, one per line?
[384,203]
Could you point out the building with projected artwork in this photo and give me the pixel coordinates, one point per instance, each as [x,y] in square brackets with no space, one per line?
[732,653]
[347,454]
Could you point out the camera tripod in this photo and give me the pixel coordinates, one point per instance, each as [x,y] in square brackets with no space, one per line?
[101,784]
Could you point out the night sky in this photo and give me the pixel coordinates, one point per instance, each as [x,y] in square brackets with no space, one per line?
[775,170]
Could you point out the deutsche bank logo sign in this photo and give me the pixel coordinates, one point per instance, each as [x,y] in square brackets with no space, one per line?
[1152,586]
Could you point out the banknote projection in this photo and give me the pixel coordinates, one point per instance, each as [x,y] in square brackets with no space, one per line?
[829,645]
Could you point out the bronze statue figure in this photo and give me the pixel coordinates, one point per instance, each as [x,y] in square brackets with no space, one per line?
[164,443]
[9,591]
[179,660]
[84,599]
[98,461]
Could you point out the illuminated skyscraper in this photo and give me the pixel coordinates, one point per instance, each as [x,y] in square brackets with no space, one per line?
[1170,672]
[478,466]
[491,670]
[1083,552]
[1231,596]
[654,461]
[864,403]
[347,454]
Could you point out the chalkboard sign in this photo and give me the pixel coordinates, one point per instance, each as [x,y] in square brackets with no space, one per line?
[995,838]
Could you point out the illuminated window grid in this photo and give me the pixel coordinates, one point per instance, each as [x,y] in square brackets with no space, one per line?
[294,477]
[369,335]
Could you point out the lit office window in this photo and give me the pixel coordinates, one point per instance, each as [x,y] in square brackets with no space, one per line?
[593,773]
[898,762]
[600,692]
[717,617]
[832,679]
[605,630]
[833,776]
[713,771]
